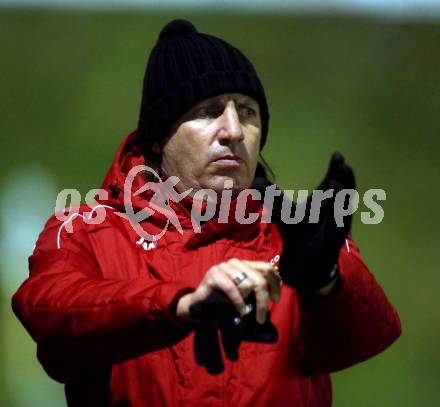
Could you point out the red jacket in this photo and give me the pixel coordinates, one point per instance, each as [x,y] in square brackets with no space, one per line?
[100,305]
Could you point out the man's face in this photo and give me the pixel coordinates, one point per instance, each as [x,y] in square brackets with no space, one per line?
[215,141]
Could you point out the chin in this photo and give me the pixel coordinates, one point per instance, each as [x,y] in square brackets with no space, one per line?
[231,183]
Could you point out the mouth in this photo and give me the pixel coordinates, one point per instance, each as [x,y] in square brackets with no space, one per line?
[228,161]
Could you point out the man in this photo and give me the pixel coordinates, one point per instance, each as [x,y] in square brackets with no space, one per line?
[114,318]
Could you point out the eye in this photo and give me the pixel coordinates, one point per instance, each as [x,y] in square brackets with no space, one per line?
[248,112]
[209,111]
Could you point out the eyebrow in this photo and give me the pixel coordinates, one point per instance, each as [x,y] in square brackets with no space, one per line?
[240,99]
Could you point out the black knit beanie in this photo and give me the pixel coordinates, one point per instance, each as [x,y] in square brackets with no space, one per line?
[186,67]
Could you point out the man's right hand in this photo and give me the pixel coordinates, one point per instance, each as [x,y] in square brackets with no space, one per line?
[237,279]
[232,298]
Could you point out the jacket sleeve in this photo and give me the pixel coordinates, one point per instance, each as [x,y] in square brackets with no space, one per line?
[352,324]
[79,318]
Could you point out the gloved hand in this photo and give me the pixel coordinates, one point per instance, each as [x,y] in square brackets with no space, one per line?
[311,250]
[217,314]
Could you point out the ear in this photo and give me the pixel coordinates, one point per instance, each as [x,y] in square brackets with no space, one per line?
[156,148]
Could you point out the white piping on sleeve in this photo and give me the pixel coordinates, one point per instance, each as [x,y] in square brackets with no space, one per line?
[82,216]
[346,245]
[99,206]
[64,224]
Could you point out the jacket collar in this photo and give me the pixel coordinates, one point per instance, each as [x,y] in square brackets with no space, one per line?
[130,155]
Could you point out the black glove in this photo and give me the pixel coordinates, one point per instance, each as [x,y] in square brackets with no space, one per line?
[217,314]
[311,250]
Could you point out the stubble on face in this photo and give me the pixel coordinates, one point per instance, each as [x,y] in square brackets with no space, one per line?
[218,140]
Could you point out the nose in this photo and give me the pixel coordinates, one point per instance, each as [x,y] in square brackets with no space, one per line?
[230,127]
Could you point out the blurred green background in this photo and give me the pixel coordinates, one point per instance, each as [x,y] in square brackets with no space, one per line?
[369,87]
